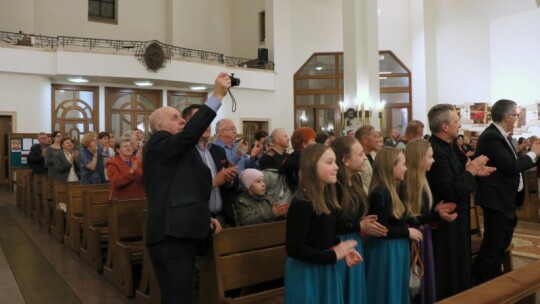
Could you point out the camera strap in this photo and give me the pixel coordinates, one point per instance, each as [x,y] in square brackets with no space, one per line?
[233,101]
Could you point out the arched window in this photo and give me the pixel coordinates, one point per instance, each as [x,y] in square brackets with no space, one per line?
[181,99]
[128,109]
[318,89]
[395,83]
[75,110]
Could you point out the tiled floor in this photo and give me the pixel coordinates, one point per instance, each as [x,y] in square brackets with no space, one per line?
[40,269]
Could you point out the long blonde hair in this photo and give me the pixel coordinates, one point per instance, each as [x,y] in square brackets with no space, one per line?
[353,199]
[415,182]
[383,174]
[323,197]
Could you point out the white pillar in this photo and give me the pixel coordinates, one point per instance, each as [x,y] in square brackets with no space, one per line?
[361,56]
[424,61]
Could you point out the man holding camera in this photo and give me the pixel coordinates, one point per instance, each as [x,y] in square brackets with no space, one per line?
[178,186]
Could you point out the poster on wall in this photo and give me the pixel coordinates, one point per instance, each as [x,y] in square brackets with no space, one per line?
[27,143]
[351,121]
[480,113]
[24,157]
[522,118]
[15,145]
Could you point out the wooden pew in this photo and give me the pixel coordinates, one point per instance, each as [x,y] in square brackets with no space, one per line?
[126,246]
[518,286]
[95,227]
[148,291]
[35,212]
[22,184]
[231,264]
[529,211]
[58,220]
[46,201]
[29,202]
[74,213]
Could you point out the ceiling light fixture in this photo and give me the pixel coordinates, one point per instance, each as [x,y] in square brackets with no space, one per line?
[144,83]
[198,88]
[78,79]
[318,68]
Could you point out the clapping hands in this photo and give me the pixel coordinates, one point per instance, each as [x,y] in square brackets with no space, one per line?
[370,226]
[446,211]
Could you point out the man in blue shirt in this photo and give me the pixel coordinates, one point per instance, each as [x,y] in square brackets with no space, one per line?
[236,150]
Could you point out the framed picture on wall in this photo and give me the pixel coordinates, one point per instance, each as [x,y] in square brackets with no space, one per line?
[480,113]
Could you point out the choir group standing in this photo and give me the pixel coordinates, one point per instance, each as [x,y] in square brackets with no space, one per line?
[348,246]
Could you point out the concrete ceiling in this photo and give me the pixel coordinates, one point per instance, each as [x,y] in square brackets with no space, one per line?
[493,9]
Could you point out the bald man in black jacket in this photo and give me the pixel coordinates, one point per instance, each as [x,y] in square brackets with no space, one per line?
[178,185]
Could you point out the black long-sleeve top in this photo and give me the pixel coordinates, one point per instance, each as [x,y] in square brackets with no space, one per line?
[380,204]
[426,215]
[309,236]
[350,223]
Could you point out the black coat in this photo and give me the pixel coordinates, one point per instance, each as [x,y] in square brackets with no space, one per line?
[178,182]
[450,182]
[498,191]
[36,160]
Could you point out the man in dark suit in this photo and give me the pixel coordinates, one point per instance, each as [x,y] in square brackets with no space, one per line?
[500,193]
[451,182]
[36,157]
[224,174]
[178,186]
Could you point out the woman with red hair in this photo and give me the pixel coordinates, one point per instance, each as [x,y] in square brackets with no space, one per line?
[300,139]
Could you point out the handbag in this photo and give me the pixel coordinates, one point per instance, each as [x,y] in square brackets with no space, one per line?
[417,269]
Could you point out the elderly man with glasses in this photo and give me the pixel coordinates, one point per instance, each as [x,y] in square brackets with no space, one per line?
[236,149]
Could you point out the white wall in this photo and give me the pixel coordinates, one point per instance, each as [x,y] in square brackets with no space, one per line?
[395,29]
[30,98]
[245,28]
[17,16]
[137,20]
[463,53]
[280,37]
[316,26]
[202,25]
[515,60]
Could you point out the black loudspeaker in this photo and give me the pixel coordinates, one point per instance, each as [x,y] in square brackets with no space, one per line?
[263,55]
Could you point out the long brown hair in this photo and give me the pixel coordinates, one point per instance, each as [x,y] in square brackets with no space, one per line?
[383,174]
[353,199]
[323,197]
[415,178]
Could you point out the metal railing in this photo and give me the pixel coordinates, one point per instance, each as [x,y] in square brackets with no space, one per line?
[126,46]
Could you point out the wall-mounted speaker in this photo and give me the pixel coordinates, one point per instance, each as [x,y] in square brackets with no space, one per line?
[263,55]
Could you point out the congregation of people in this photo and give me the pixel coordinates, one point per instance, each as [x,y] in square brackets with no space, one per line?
[369,219]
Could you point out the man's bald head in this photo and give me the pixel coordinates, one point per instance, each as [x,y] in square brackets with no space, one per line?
[166,119]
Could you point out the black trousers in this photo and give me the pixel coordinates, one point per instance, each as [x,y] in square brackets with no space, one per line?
[498,232]
[174,261]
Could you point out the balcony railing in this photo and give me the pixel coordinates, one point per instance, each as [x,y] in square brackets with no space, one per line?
[126,46]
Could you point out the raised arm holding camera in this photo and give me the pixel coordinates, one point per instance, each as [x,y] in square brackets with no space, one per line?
[178,203]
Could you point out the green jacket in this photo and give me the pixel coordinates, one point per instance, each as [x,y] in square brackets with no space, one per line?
[253,209]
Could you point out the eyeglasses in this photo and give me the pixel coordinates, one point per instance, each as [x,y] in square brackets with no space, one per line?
[513,114]
[231,129]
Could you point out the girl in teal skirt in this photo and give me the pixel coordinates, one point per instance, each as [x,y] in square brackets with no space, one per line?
[388,258]
[352,220]
[312,246]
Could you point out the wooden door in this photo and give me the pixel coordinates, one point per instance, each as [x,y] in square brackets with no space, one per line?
[5,130]
[249,128]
